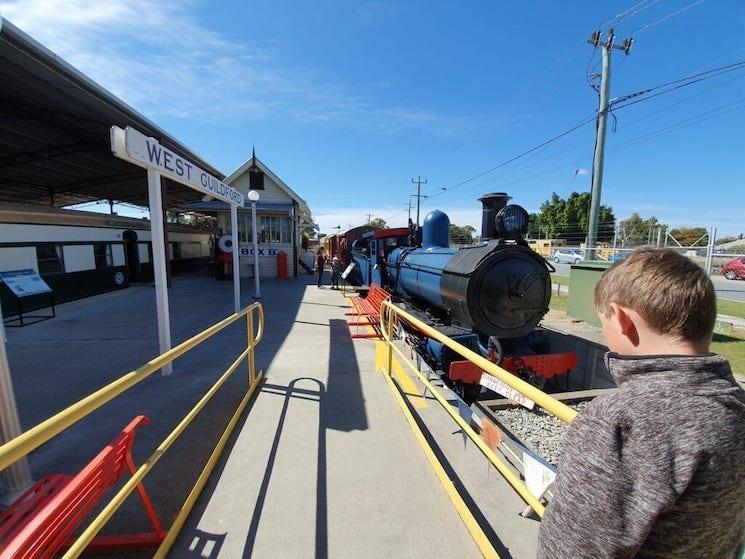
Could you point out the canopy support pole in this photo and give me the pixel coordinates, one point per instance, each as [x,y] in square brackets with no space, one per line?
[159,265]
[17,476]
[236,263]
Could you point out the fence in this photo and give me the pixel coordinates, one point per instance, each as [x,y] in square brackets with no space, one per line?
[33,438]
[392,315]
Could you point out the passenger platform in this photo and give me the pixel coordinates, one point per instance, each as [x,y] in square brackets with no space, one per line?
[323,462]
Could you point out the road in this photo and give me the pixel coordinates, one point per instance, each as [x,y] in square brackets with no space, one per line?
[726,289]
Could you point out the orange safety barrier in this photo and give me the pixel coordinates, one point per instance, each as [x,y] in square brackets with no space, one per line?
[367,311]
[41,521]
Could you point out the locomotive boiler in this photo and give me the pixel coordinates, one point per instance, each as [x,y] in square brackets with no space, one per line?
[489,296]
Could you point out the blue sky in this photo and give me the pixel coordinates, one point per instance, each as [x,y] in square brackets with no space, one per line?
[346,101]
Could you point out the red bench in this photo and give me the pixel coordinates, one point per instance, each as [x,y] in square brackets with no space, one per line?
[367,310]
[41,521]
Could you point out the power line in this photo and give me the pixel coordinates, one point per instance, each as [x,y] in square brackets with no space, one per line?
[677,84]
[681,10]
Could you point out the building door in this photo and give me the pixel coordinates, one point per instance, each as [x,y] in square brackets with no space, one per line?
[132,254]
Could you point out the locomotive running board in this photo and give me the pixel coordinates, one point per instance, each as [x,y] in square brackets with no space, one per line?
[547,366]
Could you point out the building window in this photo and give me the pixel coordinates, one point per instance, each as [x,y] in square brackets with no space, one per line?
[256,179]
[244,229]
[50,259]
[102,253]
[176,249]
[274,230]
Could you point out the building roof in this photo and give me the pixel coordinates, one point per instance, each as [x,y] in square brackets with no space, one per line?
[55,133]
[255,161]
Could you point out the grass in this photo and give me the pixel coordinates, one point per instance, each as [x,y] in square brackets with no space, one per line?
[731,308]
[724,306]
[733,349]
[558,302]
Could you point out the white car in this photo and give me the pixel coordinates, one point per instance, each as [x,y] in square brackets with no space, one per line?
[568,256]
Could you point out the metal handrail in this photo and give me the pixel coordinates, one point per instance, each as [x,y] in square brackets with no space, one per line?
[28,441]
[547,402]
[388,314]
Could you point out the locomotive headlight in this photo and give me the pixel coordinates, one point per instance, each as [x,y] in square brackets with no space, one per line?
[512,221]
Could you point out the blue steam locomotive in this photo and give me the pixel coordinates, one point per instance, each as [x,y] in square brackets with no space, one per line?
[489,296]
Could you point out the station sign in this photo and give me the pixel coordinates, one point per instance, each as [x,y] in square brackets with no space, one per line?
[262,252]
[133,146]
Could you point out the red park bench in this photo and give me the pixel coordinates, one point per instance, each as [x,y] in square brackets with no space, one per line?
[367,311]
[42,520]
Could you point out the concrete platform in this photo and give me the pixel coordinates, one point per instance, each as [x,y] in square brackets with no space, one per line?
[324,464]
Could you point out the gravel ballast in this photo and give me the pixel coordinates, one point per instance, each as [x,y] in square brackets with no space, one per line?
[538,430]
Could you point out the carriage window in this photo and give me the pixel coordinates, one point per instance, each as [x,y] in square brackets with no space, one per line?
[50,259]
[102,253]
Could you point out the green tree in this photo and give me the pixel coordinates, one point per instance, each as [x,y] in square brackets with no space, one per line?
[690,236]
[461,234]
[569,219]
[378,222]
[636,231]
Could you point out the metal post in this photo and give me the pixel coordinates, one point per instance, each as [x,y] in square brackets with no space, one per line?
[236,262]
[597,170]
[17,476]
[251,353]
[159,265]
[659,235]
[257,287]
[710,249]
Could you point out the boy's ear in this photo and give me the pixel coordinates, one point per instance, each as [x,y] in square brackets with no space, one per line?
[626,324]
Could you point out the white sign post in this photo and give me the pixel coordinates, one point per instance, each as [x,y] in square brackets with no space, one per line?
[133,146]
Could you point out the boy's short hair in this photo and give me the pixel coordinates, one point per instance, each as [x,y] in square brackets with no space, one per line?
[672,293]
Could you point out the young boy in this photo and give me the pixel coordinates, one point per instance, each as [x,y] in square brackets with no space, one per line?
[335,273]
[657,469]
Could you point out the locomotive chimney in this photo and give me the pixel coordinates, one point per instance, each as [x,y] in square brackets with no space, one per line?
[492,203]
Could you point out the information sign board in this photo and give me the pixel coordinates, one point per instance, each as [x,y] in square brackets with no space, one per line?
[538,476]
[493,383]
[133,145]
[24,282]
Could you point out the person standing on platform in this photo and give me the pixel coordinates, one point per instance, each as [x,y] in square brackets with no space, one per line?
[335,273]
[320,263]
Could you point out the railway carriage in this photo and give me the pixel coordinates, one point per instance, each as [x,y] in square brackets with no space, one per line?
[79,254]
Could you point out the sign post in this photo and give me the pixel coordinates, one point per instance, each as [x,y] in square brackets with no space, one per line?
[159,265]
[17,476]
[133,146]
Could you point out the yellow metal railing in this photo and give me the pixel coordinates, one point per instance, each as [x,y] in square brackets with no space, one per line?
[390,313]
[33,438]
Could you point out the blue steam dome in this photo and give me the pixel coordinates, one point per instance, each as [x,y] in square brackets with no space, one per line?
[436,230]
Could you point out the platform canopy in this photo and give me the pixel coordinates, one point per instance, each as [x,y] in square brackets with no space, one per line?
[55,122]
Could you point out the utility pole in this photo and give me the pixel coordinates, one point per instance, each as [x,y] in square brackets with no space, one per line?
[369,219]
[419,182]
[604,93]
[408,222]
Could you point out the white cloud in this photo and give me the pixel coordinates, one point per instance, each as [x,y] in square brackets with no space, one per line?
[160,59]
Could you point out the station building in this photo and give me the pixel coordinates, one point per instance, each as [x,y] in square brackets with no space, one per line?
[282,218]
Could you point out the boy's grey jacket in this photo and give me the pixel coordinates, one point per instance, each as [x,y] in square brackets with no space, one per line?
[655,470]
